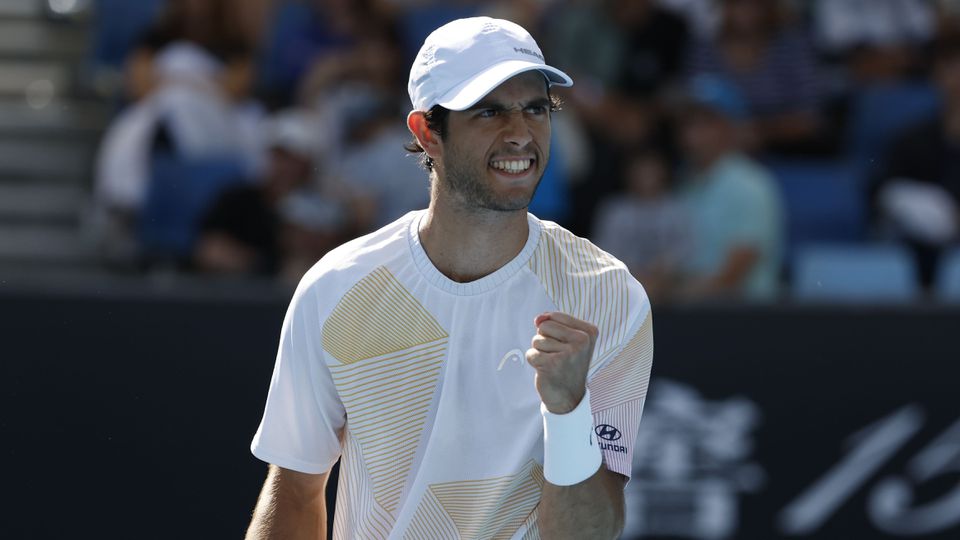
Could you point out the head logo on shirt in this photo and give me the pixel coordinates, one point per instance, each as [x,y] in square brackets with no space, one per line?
[515,355]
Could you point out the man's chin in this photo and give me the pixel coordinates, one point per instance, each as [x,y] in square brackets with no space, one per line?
[508,204]
[509,208]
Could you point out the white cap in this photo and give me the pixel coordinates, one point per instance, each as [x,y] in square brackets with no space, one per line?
[465,59]
[294,131]
[182,60]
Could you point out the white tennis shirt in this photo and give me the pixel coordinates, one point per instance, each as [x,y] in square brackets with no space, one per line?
[419,385]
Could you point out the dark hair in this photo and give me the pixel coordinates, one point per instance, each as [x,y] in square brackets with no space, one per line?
[775,16]
[216,27]
[437,121]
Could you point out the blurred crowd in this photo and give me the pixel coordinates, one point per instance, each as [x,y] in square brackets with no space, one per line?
[253,136]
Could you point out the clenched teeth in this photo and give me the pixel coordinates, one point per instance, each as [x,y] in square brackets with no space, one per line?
[512,165]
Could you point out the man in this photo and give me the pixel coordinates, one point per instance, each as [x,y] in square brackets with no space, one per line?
[402,353]
[915,196]
[279,225]
[737,217]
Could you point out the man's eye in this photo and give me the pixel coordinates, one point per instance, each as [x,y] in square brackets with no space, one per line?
[537,109]
[487,113]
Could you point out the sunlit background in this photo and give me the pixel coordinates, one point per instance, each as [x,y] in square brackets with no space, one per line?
[782,176]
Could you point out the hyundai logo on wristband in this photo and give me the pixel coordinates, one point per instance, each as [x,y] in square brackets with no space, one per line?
[608,432]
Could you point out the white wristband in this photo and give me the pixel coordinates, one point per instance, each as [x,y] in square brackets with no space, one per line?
[570,451]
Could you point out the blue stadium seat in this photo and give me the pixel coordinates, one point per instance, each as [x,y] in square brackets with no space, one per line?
[295,35]
[552,199]
[947,286]
[180,191]
[879,113]
[416,23]
[117,25]
[855,273]
[823,201]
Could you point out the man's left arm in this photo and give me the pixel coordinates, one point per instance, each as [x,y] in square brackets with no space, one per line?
[591,509]
[581,498]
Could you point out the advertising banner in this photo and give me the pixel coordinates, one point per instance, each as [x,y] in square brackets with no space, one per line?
[833,424]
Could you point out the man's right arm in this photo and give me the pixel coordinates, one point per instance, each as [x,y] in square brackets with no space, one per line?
[292,506]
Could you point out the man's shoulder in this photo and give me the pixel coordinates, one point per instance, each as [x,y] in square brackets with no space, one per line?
[353,260]
[564,251]
[743,176]
[590,284]
[574,268]
[740,167]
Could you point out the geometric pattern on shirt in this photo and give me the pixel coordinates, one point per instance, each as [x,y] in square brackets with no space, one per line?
[376,317]
[493,508]
[585,282]
[391,353]
[533,526]
[625,378]
[357,514]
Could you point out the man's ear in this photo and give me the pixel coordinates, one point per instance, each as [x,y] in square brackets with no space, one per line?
[429,140]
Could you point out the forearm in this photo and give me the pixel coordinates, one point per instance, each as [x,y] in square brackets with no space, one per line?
[283,512]
[738,264]
[580,498]
[592,509]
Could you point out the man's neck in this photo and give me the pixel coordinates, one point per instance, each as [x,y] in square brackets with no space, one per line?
[468,244]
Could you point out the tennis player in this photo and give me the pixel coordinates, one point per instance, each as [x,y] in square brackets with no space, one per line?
[478,372]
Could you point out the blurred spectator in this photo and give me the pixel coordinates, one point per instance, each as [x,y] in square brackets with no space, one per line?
[527,13]
[213,25]
[843,25]
[280,225]
[583,38]
[385,182]
[618,125]
[702,16]
[948,17]
[878,40]
[645,226]
[624,54]
[653,46]
[773,65]
[629,46]
[917,195]
[197,108]
[310,32]
[357,95]
[371,61]
[189,79]
[117,28]
[342,85]
[736,211]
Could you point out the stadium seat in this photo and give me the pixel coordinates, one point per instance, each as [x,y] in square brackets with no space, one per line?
[118,24]
[879,113]
[855,273]
[294,37]
[552,198]
[180,191]
[947,285]
[416,23]
[823,201]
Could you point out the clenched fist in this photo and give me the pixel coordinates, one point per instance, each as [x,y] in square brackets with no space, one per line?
[561,352]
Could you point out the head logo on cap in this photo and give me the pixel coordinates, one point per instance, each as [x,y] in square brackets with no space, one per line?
[465,59]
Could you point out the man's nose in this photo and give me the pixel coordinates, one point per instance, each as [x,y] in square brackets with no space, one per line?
[518,131]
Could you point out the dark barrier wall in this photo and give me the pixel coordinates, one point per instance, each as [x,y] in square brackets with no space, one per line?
[801,423]
[130,417]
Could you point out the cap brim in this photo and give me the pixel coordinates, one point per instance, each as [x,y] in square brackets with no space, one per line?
[468,93]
